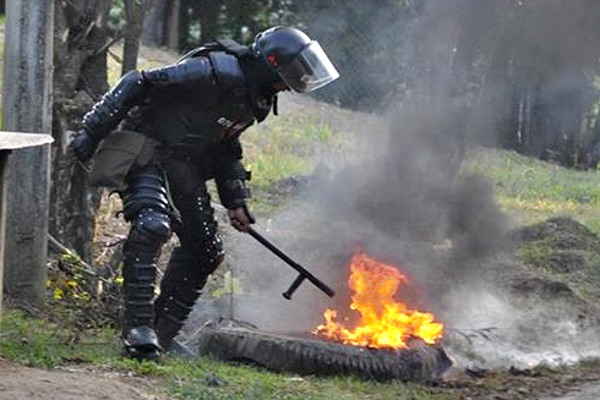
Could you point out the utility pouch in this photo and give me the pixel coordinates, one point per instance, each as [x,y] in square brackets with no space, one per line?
[117,155]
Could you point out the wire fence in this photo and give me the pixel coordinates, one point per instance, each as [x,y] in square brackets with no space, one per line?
[365,43]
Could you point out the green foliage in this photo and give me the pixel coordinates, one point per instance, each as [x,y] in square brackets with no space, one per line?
[39,343]
[116,16]
[238,19]
[563,250]
[535,254]
[284,147]
[229,285]
[242,382]
[79,297]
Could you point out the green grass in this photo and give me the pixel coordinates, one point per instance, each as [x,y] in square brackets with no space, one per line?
[285,147]
[282,147]
[530,190]
[39,343]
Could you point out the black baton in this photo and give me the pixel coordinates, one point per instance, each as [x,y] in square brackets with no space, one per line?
[304,274]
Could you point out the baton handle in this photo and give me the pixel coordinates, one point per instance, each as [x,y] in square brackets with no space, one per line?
[294,286]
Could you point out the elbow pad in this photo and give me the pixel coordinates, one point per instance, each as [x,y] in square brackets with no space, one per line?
[232,186]
[233,193]
[110,110]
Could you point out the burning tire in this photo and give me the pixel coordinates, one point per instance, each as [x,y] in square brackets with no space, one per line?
[229,341]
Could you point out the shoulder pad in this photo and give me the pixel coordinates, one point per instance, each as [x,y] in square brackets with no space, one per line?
[200,51]
[232,47]
[227,69]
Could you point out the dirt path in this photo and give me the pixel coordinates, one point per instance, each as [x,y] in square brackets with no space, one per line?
[591,392]
[22,383]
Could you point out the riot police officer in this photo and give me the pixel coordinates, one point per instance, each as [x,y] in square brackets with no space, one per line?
[162,134]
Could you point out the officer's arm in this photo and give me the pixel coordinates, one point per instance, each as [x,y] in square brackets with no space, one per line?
[130,91]
[107,113]
[110,110]
[230,175]
[133,87]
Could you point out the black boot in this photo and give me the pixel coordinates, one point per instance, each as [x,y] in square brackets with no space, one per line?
[141,343]
[139,338]
[180,288]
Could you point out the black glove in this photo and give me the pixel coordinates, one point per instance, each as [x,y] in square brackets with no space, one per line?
[241,218]
[84,145]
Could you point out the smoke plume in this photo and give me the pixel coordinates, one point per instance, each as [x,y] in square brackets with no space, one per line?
[399,193]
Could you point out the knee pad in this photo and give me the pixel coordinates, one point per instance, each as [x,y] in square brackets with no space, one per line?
[145,189]
[149,231]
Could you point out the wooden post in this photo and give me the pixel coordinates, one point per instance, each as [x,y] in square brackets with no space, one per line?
[27,107]
[11,141]
[3,159]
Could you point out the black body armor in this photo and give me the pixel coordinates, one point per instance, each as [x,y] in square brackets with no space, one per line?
[195,109]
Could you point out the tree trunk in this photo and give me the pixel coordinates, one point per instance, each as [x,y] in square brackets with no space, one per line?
[209,17]
[80,75]
[27,107]
[171,39]
[153,28]
[134,15]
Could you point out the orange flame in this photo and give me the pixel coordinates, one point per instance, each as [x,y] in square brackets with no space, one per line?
[383,323]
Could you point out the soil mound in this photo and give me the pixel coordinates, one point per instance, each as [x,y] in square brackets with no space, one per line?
[564,251]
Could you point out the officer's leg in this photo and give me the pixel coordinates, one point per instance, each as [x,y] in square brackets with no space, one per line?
[200,253]
[146,206]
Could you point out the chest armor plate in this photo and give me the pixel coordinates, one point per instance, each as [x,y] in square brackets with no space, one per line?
[186,121]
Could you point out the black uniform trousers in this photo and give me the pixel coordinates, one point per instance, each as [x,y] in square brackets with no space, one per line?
[158,200]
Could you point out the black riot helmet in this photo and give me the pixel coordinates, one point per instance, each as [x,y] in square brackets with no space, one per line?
[299,61]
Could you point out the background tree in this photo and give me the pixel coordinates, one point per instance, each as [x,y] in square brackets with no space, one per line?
[238,19]
[81,38]
[531,67]
[161,24]
[134,17]
[367,44]
[520,73]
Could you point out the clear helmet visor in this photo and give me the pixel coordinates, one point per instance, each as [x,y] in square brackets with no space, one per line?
[309,70]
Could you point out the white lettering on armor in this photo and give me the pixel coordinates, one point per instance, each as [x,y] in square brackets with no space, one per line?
[224,122]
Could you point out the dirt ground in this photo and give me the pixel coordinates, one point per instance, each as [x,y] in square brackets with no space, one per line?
[570,383]
[75,383]
[22,383]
